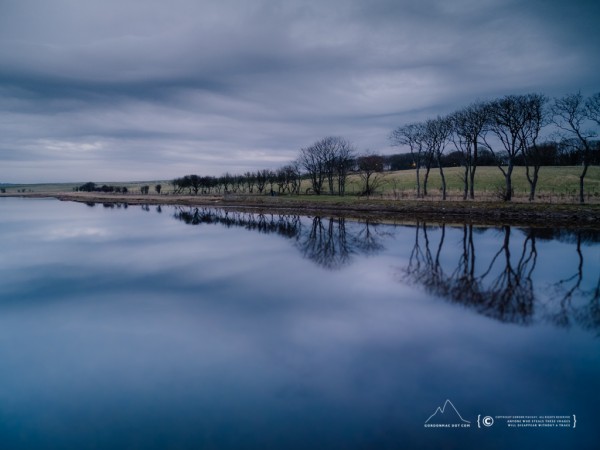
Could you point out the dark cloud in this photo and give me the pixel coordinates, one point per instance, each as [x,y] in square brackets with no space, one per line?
[113,90]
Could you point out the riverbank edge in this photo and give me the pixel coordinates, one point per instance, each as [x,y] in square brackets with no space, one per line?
[484,213]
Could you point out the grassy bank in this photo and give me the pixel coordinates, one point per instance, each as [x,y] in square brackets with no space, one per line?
[556,204]
[481,212]
[556,184]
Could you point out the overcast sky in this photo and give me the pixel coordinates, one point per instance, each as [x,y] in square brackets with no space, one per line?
[116,90]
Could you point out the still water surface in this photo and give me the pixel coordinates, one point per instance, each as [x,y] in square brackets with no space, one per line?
[148,327]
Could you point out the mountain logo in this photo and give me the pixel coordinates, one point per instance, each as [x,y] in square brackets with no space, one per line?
[446,416]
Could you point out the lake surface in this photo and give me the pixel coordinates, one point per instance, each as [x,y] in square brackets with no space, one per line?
[152,328]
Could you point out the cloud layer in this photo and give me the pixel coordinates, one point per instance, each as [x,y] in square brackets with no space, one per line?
[123,90]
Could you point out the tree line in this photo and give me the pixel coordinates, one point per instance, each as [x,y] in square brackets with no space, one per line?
[105,188]
[505,132]
[325,165]
[509,129]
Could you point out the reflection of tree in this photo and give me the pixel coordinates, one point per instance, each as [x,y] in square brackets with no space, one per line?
[503,288]
[510,296]
[368,239]
[576,303]
[504,291]
[329,242]
[498,285]
[326,243]
[283,224]
[424,268]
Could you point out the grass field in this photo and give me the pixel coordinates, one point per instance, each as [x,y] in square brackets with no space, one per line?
[556,184]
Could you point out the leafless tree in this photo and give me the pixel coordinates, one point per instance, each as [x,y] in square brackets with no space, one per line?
[288,179]
[261,180]
[411,135]
[592,106]
[537,118]
[570,114]
[327,160]
[343,157]
[437,135]
[509,117]
[469,126]
[292,173]
[312,162]
[250,180]
[369,166]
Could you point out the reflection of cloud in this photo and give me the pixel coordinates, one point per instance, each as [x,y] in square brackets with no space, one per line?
[74,233]
[175,330]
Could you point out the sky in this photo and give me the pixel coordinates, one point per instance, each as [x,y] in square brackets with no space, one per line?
[123,90]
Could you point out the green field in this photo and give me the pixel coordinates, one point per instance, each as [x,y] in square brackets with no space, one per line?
[556,184]
[132,186]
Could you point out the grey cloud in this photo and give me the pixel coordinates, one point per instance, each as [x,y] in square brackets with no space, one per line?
[210,86]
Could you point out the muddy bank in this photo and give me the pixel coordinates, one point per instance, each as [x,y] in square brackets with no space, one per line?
[485,213]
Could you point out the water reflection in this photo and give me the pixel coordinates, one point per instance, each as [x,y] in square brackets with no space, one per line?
[498,284]
[128,329]
[503,290]
[568,291]
[502,286]
[328,242]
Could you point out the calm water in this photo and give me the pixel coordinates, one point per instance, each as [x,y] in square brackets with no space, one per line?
[144,327]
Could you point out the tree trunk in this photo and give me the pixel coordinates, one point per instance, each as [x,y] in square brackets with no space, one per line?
[508,176]
[443,178]
[532,180]
[473,167]
[581,177]
[425,181]
[466,181]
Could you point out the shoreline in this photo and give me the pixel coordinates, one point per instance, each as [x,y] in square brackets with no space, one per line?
[484,213]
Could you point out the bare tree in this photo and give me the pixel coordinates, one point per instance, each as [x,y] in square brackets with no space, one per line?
[369,166]
[469,126]
[312,162]
[437,134]
[509,120]
[344,156]
[291,172]
[411,135]
[271,179]
[570,114]
[327,159]
[592,106]
[261,180]
[250,179]
[537,118]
